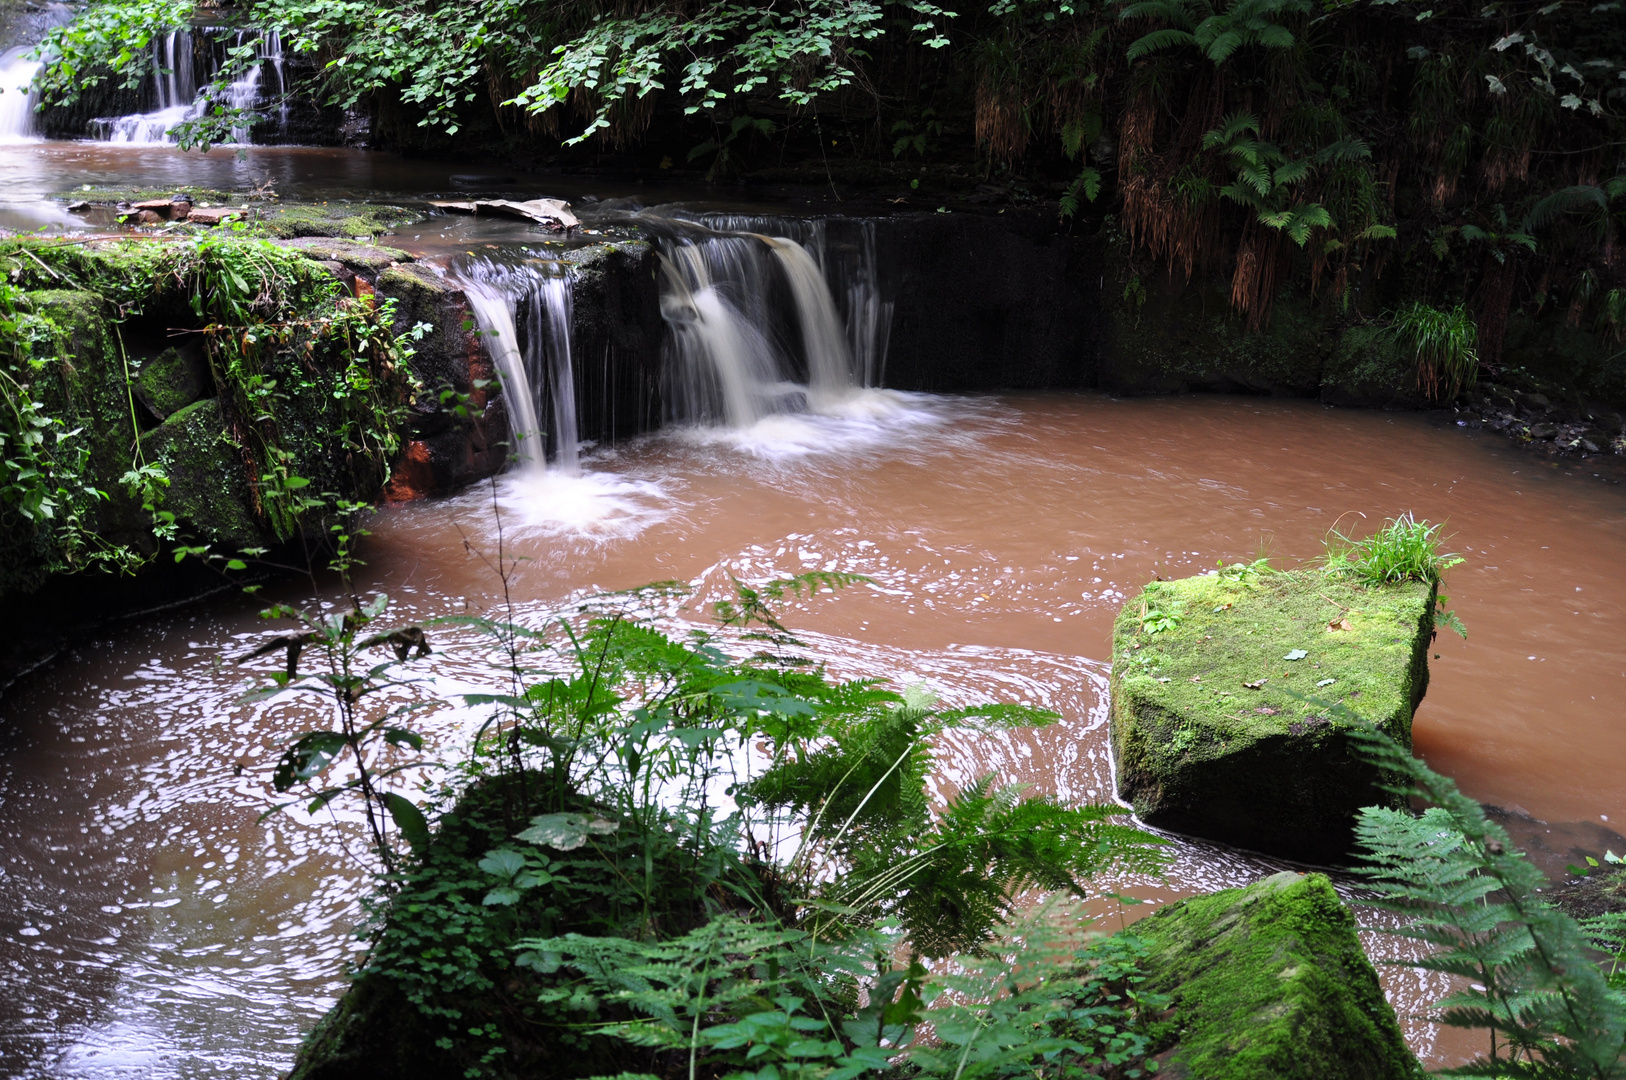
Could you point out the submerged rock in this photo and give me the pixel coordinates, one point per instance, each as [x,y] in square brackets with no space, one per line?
[1269,983]
[1223,693]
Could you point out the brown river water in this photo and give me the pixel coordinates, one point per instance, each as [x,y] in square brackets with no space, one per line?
[150,926]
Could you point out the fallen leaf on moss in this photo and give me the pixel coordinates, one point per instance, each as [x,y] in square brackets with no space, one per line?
[1257,684]
[1339,624]
[1296,654]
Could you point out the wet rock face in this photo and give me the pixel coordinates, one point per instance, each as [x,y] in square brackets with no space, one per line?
[983,302]
[458,429]
[1225,689]
[616,338]
[1270,981]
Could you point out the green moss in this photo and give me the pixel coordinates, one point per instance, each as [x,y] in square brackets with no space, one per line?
[112,196]
[1368,366]
[365,259]
[340,219]
[208,485]
[1216,733]
[90,394]
[170,381]
[1270,982]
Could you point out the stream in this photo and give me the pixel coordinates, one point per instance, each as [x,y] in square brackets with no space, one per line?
[152,926]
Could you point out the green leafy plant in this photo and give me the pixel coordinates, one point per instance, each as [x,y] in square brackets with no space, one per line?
[1444,343]
[1462,887]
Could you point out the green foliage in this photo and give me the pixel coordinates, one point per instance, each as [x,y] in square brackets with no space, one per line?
[1218,33]
[44,483]
[106,44]
[1265,178]
[1465,889]
[696,847]
[368,733]
[744,1001]
[1445,343]
[1402,549]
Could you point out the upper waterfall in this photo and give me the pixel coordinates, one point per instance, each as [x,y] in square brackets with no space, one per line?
[174,89]
[756,325]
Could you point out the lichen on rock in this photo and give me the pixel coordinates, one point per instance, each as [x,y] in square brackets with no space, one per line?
[1231,693]
[1270,981]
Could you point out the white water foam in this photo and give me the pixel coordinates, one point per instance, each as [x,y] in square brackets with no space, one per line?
[857,420]
[17,96]
[591,505]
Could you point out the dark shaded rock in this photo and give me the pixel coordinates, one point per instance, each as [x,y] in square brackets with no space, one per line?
[1221,723]
[1368,366]
[1601,892]
[1543,430]
[616,338]
[459,423]
[984,301]
[208,483]
[1269,983]
[172,380]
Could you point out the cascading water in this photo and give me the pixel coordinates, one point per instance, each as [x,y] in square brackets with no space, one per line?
[175,89]
[737,353]
[523,313]
[17,96]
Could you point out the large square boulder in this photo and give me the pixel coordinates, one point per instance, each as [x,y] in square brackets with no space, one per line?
[1226,689]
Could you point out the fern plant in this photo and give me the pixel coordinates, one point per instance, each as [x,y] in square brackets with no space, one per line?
[1464,888]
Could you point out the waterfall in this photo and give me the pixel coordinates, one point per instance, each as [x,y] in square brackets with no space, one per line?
[724,366]
[523,313]
[17,96]
[824,341]
[175,89]
[755,325]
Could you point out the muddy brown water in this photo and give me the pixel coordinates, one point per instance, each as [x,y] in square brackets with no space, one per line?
[150,926]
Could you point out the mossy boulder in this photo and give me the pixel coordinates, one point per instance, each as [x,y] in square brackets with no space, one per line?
[208,486]
[1224,689]
[368,260]
[1269,983]
[1370,366]
[172,380]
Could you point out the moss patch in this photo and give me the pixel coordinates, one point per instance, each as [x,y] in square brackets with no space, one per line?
[172,380]
[1270,981]
[340,219]
[1211,727]
[366,259]
[208,489]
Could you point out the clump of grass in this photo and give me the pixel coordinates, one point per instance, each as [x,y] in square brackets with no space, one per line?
[1445,343]
[1404,549]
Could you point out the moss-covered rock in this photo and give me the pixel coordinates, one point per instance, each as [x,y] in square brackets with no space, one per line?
[1369,366]
[1270,983]
[368,260]
[172,380]
[1221,693]
[208,488]
[458,423]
